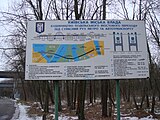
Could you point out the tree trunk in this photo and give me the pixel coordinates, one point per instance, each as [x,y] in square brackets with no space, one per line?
[128,93]
[72,95]
[104,97]
[24,91]
[110,100]
[75,95]
[68,94]
[94,91]
[153,104]
[142,100]
[90,92]
[46,95]
[135,102]
[147,101]
[50,90]
[81,99]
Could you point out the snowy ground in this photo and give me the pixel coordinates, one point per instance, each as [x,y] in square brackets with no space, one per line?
[21,114]
[136,118]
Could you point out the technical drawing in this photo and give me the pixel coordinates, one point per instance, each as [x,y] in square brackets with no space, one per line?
[59,35]
[118,41]
[132,40]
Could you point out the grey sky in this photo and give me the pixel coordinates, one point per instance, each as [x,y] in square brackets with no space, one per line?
[3,7]
[4,4]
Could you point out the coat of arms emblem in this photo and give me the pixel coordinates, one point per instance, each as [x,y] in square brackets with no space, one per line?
[40,27]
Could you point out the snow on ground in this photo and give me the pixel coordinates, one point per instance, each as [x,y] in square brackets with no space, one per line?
[136,118]
[21,114]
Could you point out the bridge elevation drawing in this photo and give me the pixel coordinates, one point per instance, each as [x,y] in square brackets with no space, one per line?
[51,53]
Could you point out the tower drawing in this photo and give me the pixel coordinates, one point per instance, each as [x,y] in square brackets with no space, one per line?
[118,41]
[132,41]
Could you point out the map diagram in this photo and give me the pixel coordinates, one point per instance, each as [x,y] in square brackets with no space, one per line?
[51,53]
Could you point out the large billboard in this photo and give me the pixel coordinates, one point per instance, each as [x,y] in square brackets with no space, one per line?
[86,49]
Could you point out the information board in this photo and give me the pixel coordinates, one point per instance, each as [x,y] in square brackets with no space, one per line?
[86,49]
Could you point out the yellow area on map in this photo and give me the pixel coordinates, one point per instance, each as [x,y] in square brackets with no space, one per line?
[37,58]
[101,43]
[89,46]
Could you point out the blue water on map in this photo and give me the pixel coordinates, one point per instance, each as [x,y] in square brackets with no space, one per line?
[96,43]
[61,51]
[74,52]
[41,48]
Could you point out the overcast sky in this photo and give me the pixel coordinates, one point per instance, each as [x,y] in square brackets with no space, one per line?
[4,4]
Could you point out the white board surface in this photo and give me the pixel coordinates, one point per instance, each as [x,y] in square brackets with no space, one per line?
[86,49]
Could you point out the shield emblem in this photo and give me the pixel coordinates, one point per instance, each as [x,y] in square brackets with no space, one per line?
[40,27]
